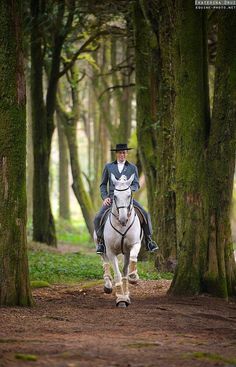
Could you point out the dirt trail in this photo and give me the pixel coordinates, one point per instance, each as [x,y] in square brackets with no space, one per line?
[74,326]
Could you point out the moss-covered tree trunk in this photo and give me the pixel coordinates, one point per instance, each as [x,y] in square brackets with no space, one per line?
[29,150]
[220,277]
[64,202]
[191,124]
[155,100]
[70,123]
[14,277]
[43,223]
[123,96]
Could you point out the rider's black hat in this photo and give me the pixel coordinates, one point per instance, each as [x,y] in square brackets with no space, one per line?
[120,147]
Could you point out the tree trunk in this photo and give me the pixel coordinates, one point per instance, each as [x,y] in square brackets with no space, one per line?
[64,202]
[43,223]
[191,122]
[78,185]
[29,150]
[70,121]
[220,278]
[155,100]
[14,277]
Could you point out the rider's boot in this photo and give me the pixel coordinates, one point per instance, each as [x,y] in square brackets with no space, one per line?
[151,245]
[100,248]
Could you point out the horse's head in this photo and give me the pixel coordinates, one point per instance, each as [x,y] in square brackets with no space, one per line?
[122,200]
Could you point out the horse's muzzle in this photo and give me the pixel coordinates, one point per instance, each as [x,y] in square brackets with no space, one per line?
[123,222]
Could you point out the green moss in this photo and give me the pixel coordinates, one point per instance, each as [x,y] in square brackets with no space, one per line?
[140,345]
[215,285]
[91,284]
[26,357]
[212,357]
[39,284]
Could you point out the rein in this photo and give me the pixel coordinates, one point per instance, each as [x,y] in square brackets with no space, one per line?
[123,207]
[122,189]
[122,234]
[129,214]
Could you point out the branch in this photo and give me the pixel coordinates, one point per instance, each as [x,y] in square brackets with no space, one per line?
[116,87]
[83,48]
[80,50]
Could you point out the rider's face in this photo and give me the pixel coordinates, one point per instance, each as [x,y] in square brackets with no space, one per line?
[121,155]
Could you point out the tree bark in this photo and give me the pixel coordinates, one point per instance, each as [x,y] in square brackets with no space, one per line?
[29,150]
[14,277]
[64,202]
[220,277]
[155,101]
[43,222]
[191,123]
[70,121]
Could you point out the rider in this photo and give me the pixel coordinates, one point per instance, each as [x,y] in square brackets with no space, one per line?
[121,167]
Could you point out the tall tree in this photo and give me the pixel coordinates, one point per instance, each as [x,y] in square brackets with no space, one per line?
[43,109]
[220,276]
[205,156]
[14,278]
[191,121]
[155,102]
[64,201]
[69,121]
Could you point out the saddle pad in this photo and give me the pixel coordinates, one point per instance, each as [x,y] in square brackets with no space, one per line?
[140,215]
[104,216]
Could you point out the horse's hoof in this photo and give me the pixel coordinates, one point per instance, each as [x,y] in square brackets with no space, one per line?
[107,290]
[122,304]
[133,278]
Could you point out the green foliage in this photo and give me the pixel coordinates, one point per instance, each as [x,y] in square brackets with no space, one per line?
[147,271]
[62,268]
[73,233]
[72,267]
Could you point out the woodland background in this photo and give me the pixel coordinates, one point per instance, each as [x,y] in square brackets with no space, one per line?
[158,75]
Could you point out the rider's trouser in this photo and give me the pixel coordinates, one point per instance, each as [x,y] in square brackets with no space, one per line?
[146,225]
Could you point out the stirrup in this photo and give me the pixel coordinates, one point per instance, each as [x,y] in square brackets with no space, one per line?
[151,245]
[101,249]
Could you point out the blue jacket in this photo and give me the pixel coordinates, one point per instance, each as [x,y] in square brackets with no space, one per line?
[128,170]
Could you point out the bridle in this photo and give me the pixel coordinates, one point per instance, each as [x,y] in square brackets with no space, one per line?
[129,207]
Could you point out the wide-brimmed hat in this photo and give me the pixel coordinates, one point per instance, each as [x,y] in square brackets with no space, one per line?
[120,147]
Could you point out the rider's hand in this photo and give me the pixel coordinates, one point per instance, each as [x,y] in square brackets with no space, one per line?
[107,201]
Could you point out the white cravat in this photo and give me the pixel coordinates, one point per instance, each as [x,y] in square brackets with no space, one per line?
[120,166]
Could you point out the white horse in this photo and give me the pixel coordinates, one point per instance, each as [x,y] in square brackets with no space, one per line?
[122,234]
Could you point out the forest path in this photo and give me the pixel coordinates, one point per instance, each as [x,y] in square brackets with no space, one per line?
[79,326]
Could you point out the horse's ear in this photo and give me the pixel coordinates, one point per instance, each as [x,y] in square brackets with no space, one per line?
[130,180]
[114,180]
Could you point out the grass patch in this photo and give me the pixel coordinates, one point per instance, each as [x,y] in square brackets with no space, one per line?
[63,268]
[147,271]
[48,267]
[73,233]
[212,357]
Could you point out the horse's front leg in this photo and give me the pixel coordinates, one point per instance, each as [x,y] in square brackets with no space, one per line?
[125,276]
[121,298]
[133,271]
[106,275]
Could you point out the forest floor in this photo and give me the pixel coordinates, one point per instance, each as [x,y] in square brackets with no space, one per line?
[79,326]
